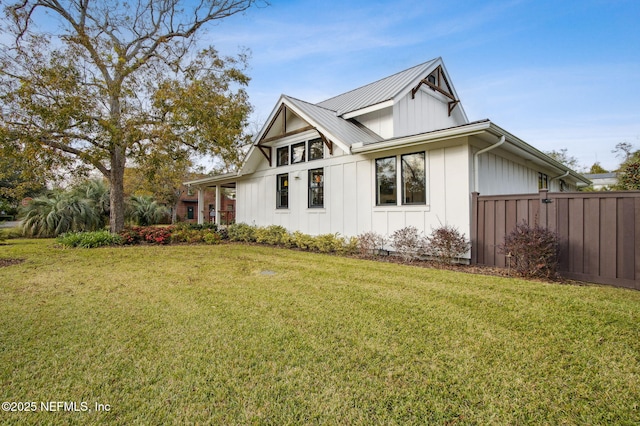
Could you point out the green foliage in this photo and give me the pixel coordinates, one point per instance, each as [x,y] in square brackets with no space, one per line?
[107,84]
[446,244]
[629,173]
[596,168]
[211,237]
[195,234]
[242,232]
[89,239]
[532,251]
[329,243]
[324,340]
[274,235]
[60,212]
[145,211]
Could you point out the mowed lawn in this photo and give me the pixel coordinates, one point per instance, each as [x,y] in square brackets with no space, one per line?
[236,334]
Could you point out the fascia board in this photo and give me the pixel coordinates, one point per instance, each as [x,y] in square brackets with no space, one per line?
[407,141]
[309,120]
[212,179]
[368,109]
[543,158]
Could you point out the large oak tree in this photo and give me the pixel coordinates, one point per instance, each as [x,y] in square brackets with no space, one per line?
[100,82]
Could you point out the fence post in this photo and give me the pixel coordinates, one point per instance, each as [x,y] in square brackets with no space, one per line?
[543,217]
[474,227]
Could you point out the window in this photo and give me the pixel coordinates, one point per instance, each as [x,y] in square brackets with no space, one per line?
[413,179]
[386,181]
[316,188]
[543,181]
[316,149]
[282,188]
[297,152]
[283,156]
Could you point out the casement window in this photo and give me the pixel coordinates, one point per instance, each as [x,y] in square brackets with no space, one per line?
[316,149]
[414,190]
[386,188]
[282,155]
[543,181]
[282,191]
[316,188]
[298,151]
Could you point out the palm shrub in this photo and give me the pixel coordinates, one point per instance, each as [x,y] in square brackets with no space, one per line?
[144,210]
[57,213]
[95,191]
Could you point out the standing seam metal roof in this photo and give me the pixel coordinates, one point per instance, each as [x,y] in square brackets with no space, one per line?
[346,131]
[376,92]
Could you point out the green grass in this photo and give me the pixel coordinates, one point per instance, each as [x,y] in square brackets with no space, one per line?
[235,334]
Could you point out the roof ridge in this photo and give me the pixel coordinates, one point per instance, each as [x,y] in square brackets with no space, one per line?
[378,80]
[309,103]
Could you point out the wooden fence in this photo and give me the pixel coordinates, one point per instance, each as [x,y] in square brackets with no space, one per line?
[599,232]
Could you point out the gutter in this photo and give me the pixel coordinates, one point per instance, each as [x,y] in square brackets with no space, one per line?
[404,141]
[476,161]
[561,176]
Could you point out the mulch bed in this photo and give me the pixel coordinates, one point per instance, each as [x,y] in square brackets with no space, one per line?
[9,262]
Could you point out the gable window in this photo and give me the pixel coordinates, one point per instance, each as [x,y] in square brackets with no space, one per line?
[298,152]
[316,188]
[283,156]
[316,149]
[386,192]
[543,181]
[282,191]
[413,179]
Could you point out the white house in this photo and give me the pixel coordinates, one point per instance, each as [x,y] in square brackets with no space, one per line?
[397,152]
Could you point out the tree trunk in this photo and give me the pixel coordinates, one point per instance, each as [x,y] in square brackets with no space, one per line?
[116,195]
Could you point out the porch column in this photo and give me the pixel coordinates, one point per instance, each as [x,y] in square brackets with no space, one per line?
[218,204]
[200,206]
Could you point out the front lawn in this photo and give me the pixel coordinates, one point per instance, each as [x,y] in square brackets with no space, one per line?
[235,334]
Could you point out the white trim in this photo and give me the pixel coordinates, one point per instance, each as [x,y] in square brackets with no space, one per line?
[455,132]
[366,110]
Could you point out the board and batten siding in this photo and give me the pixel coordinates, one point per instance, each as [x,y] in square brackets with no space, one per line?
[422,114]
[349,196]
[499,175]
[379,122]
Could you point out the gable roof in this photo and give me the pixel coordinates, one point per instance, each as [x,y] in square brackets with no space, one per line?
[379,91]
[345,131]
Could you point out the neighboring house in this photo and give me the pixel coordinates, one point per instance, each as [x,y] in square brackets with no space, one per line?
[603,181]
[187,208]
[394,153]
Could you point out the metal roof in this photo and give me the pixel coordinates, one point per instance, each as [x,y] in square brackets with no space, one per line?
[345,131]
[376,92]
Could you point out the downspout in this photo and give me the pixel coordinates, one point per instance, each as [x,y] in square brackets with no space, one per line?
[559,177]
[476,185]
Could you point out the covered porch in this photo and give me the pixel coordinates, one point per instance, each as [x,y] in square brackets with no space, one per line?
[222,211]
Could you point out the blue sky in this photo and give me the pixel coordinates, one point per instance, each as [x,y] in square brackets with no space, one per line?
[558,74]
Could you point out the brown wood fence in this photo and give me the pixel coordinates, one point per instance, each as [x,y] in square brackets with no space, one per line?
[599,232]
